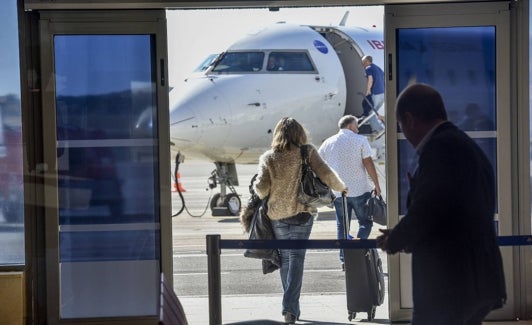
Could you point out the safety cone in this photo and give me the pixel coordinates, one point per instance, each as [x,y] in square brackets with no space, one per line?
[178,185]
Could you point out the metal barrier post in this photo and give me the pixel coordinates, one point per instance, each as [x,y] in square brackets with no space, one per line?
[215,286]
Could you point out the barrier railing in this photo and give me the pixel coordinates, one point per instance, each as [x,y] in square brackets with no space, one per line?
[215,244]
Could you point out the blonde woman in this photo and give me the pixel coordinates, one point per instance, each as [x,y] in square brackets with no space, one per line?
[278,179]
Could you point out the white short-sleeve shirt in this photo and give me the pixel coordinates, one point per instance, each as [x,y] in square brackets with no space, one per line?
[344,152]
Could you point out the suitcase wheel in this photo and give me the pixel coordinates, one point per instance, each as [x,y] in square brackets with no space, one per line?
[371,313]
[351,316]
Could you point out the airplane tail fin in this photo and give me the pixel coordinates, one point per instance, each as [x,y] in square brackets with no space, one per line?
[344,18]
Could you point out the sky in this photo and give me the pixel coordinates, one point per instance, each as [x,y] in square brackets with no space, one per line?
[194,34]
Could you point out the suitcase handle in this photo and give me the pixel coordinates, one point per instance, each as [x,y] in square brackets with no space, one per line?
[344,213]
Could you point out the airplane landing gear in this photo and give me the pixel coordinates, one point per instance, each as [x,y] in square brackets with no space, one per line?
[231,205]
[223,203]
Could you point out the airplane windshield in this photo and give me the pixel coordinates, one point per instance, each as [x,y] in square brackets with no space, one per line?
[206,63]
[240,62]
[289,61]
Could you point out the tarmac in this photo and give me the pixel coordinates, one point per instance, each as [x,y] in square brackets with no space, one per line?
[315,309]
[263,309]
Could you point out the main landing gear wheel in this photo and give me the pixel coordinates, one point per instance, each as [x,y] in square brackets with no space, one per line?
[231,202]
[215,201]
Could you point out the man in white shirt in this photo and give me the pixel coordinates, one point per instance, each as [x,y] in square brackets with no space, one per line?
[349,154]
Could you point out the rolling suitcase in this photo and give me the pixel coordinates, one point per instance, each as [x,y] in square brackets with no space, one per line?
[364,279]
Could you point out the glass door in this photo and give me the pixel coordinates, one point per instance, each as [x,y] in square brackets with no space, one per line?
[465,57]
[107,188]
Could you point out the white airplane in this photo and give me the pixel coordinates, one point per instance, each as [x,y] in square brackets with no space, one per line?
[227,113]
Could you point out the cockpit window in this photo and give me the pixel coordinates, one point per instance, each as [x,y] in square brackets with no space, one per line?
[206,63]
[239,62]
[289,61]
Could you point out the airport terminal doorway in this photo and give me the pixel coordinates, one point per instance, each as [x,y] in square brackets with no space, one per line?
[75,219]
[106,165]
[465,57]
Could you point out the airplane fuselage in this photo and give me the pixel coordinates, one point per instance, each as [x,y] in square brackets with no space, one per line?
[228,114]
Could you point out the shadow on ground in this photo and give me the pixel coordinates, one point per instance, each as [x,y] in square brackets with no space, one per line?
[271,322]
[229,220]
[310,322]
[256,322]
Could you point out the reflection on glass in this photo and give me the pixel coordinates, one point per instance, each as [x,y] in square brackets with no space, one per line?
[107,160]
[11,172]
[408,163]
[460,63]
[407,158]
[106,137]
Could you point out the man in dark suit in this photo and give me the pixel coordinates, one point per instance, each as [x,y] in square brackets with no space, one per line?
[457,273]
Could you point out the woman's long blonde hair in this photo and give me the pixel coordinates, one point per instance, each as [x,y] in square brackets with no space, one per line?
[288,131]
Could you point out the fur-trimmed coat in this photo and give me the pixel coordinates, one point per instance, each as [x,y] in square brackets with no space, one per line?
[271,260]
[247,212]
[279,179]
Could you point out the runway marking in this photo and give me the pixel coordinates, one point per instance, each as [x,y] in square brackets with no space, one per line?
[268,295]
[225,273]
[241,253]
[204,273]
[188,246]
[323,270]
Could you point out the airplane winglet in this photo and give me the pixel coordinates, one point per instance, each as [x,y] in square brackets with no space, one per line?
[344,18]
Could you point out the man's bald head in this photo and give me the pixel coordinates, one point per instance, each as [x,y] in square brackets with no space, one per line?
[418,109]
[422,102]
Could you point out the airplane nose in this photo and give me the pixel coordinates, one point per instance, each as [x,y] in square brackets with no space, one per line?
[184,128]
[200,117]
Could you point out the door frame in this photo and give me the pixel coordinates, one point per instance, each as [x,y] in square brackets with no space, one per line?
[124,22]
[451,15]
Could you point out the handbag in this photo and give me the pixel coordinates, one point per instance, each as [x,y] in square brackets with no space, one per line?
[261,229]
[313,192]
[376,209]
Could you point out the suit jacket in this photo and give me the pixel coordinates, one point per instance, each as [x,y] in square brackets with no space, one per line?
[449,226]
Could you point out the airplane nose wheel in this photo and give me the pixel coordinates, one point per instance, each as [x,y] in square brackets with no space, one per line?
[231,202]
